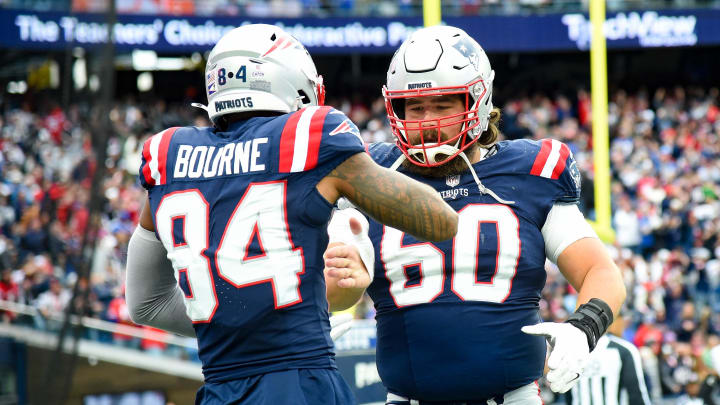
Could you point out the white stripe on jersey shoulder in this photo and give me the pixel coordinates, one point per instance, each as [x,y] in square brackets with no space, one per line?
[552,159]
[155,156]
[302,139]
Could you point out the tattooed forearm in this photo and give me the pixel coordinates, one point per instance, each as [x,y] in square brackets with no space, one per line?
[396,200]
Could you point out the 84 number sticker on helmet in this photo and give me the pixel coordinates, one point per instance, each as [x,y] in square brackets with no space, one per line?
[223,76]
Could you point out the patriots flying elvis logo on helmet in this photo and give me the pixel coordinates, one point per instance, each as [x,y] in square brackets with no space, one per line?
[468,50]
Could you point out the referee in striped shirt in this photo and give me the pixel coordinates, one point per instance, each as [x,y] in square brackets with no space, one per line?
[613,375]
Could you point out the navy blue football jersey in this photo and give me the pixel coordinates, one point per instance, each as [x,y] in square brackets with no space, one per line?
[245,229]
[449,314]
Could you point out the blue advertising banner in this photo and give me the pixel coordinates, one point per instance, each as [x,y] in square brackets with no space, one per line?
[531,33]
[360,372]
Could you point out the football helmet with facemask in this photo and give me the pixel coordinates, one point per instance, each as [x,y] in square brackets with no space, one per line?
[437,61]
[260,67]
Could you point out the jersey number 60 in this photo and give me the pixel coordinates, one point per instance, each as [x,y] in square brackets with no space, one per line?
[431,261]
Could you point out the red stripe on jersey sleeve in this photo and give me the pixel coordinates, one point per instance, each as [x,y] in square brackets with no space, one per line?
[287,142]
[542,157]
[560,165]
[162,153]
[316,132]
[146,168]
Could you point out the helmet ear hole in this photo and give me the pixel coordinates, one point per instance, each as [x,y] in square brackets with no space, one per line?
[398,105]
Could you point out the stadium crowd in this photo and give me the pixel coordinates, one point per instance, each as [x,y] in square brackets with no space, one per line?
[665,187]
[324,8]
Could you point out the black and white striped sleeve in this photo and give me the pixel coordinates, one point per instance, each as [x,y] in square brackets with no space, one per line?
[632,378]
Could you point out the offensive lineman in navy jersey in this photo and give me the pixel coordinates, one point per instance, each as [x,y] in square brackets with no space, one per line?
[458,320]
[241,210]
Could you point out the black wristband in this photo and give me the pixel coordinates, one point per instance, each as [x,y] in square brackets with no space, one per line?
[593,318]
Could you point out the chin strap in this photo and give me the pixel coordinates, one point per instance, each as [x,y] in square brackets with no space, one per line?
[398,162]
[432,151]
[483,190]
[481,187]
[200,106]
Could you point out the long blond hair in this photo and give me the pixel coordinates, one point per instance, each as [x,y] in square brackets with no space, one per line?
[490,136]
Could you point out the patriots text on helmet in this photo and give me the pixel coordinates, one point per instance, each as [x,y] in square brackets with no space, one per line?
[423,85]
[245,102]
[194,162]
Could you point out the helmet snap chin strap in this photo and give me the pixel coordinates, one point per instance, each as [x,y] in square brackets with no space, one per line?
[432,152]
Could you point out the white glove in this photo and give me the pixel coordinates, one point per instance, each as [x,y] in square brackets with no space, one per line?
[339,325]
[569,353]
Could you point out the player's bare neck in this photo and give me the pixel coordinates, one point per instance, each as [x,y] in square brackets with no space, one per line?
[475,153]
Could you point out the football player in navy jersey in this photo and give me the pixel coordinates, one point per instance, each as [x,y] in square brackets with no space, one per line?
[457,321]
[241,211]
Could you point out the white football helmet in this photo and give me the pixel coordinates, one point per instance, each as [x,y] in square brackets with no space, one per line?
[260,67]
[435,61]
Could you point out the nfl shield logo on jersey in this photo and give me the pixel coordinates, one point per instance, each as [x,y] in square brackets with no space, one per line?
[452,181]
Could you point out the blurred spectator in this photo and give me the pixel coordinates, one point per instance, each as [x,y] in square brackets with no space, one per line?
[118,312]
[285,8]
[9,291]
[627,225]
[51,306]
[153,345]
